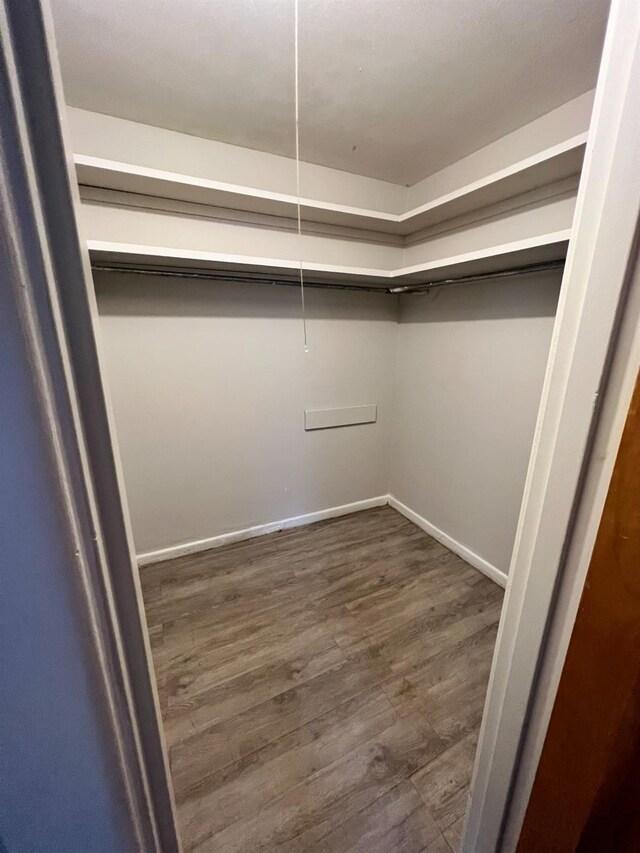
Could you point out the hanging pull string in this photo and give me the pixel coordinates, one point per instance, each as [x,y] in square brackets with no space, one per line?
[297,100]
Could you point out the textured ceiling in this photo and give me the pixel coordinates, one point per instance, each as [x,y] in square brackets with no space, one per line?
[393,89]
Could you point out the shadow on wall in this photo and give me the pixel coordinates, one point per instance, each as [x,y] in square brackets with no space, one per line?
[128,294]
[531,295]
[121,294]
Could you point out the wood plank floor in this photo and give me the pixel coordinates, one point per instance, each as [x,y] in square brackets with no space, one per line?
[322,688]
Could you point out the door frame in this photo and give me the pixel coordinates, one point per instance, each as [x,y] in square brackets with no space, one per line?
[586,776]
[51,286]
[598,293]
[586,337]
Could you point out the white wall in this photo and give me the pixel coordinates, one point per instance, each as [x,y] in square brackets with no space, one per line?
[198,233]
[531,220]
[112,138]
[131,142]
[209,383]
[469,372]
[554,127]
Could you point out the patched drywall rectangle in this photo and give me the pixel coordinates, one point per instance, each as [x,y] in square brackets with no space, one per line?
[344,416]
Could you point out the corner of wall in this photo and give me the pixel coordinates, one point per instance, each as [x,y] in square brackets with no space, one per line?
[392,418]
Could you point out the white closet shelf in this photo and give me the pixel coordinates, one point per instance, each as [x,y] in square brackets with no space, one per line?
[548,166]
[547,247]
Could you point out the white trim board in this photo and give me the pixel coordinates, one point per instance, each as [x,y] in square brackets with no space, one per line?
[469,556]
[585,342]
[194,547]
[531,250]
[186,548]
[545,167]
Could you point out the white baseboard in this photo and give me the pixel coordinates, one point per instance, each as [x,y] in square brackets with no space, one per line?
[186,548]
[193,547]
[467,554]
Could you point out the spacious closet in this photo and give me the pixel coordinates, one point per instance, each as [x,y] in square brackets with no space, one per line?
[327,243]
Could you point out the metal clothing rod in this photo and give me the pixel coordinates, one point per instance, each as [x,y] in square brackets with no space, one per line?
[422,287]
[483,276]
[212,276]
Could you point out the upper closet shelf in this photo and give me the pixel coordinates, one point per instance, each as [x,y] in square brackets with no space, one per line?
[548,247]
[553,164]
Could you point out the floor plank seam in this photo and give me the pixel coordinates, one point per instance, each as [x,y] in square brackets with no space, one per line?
[333,618]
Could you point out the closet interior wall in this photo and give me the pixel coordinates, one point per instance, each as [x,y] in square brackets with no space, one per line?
[218,368]
[469,370]
[220,373]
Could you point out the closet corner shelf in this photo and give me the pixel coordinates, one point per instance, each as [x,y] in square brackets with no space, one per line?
[548,166]
[534,250]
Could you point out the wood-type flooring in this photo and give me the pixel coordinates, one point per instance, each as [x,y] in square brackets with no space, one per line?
[322,688]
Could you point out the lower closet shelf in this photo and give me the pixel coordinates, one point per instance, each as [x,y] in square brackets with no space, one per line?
[495,259]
